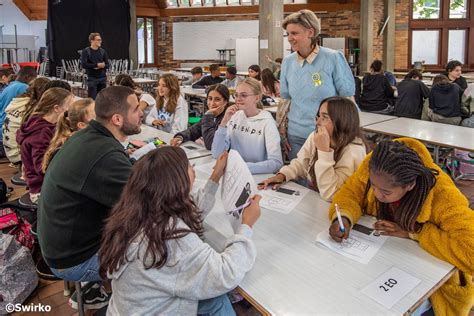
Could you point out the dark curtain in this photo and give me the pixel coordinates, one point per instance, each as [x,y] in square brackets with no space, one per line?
[71,21]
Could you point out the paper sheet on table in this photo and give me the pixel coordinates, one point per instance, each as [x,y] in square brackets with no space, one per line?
[361,246]
[236,187]
[390,287]
[283,200]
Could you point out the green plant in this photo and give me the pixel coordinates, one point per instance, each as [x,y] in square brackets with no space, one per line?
[429,9]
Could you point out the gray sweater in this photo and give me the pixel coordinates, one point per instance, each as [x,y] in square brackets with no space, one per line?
[194,271]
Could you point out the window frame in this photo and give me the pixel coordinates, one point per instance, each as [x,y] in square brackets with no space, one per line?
[154,40]
[444,24]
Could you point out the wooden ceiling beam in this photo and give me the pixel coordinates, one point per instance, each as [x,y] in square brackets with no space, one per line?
[23,8]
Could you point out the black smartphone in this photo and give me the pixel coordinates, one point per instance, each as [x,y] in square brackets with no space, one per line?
[363,229]
[286,191]
[191,147]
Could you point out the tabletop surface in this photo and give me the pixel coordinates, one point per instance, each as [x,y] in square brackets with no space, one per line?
[367,118]
[293,275]
[436,133]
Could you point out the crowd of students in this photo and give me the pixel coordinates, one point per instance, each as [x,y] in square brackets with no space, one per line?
[445,102]
[140,226]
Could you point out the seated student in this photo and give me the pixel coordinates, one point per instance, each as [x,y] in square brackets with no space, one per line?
[377,93]
[147,101]
[413,198]
[217,102]
[77,194]
[270,84]
[152,249]
[444,103]
[453,73]
[14,115]
[249,130]
[331,153]
[171,111]
[80,113]
[4,74]
[14,89]
[196,75]
[213,78]
[35,134]
[254,72]
[231,80]
[411,95]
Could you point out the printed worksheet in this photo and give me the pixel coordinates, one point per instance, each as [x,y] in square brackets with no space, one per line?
[237,187]
[363,242]
[284,199]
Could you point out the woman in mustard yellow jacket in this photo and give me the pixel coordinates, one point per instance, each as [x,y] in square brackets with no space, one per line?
[413,198]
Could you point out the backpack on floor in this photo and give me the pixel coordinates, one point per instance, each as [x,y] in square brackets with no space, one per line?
[17,270]
[15,223]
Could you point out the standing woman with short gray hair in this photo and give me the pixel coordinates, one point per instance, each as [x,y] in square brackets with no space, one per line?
[308,75]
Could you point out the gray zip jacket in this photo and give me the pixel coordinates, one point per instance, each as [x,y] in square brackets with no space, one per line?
[194,271]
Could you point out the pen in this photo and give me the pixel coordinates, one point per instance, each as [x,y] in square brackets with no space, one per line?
[236,212]
[339,219]
[271,183]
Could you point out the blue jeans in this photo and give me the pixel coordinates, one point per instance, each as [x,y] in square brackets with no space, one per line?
[87,271]
[219,306]
[295,143]
[94,85]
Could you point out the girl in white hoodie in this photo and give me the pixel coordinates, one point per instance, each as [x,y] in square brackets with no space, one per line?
[152,248]
[171,111]
[330,154]
[250,130]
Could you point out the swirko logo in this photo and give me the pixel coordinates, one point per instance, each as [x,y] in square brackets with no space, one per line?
[10,308]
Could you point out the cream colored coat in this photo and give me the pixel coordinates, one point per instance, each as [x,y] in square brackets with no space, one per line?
[330,174]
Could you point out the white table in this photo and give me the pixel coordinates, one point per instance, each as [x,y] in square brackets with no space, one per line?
[445,135]
[367,118]
[293,275]
[192,149]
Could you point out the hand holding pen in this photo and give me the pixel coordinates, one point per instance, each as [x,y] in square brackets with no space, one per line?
[339,230]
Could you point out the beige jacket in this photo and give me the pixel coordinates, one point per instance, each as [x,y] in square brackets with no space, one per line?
[13,116]
[330,175]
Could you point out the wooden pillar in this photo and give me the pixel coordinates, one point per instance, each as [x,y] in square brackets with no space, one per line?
[133,45]
[366,34]
[270,32]
[389,36]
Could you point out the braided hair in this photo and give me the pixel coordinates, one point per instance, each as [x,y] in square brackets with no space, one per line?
[403,166]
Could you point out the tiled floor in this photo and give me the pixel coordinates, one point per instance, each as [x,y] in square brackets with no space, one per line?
[51,292]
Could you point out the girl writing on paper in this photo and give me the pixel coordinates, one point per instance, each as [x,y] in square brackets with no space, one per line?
[330,154]
[249,130]
[171,111]
[413,198]
[152,248]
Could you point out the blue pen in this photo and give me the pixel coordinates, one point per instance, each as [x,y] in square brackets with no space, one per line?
[339,219]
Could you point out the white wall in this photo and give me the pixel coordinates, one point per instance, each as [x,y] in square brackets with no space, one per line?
[10,15]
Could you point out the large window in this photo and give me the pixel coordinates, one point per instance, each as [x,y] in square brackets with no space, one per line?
[442,30]
[145,39]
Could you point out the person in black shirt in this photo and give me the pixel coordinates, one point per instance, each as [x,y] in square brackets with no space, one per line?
[444,103]
[377,92]
[453,72]
[95,61]
[411,94]
[213,78]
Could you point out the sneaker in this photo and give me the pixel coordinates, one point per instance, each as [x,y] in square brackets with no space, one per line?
[93,297]
[44,272]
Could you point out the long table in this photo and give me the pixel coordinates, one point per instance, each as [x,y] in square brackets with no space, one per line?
[192,149]
[438,134]
[293,275]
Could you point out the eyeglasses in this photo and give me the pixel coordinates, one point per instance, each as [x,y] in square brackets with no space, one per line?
[242,95]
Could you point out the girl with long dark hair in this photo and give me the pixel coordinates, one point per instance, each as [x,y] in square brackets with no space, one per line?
[331,153]
[152,248]
[413,198]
